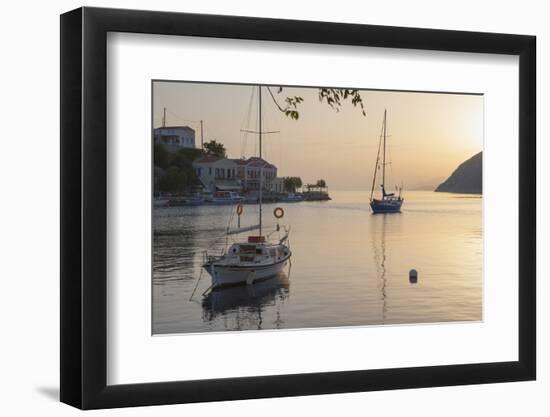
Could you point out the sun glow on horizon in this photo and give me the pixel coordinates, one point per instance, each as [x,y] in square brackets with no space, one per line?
[429,134]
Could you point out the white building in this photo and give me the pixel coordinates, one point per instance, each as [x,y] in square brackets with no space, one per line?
[250,173]
[175,137]
[222,174]
[217,174]
[276,185]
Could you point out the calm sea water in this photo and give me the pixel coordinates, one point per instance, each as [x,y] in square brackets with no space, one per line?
[349,267]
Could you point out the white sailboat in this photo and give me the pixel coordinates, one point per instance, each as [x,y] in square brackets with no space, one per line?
[256,258]
[389,202]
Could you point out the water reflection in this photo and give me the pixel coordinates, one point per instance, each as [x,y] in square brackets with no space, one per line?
[348,267]
[243,306]
[379,254]
[180,241]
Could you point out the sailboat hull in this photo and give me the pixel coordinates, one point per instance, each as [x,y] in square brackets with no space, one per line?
[232,275]
[386,206]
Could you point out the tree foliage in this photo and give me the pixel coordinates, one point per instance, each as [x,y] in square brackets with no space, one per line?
[173,180]
[185,157]
[177,174]
[161,156]
[291,184]
[214,148]
[334,97]
[319,185]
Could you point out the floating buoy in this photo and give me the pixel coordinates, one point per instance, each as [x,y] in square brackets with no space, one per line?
[413,276]
[278,212]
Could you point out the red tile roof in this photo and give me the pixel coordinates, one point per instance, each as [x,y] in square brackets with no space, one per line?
[253,161]
[259,162]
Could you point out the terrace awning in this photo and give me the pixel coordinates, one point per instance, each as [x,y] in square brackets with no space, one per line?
[228,186]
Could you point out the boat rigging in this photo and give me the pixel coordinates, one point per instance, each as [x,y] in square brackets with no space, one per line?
[389,202]
[256,258]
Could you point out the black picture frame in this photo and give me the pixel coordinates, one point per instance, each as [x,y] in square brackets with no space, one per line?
[84,207]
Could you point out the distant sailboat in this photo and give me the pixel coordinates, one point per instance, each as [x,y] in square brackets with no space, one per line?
[255,259]
[389,203]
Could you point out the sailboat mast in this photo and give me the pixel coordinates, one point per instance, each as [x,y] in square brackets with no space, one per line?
[376,166]
[260,148]
[384,158]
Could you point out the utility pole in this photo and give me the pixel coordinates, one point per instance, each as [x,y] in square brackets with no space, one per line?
[164,118]
[260,140]
[202,138]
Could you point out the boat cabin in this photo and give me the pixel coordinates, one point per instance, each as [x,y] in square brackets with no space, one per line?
[258,252]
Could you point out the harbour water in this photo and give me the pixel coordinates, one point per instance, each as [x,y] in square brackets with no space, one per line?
[349,267]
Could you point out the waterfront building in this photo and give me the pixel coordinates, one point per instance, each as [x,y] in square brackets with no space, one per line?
[243,175]
[175,137]
[250,170]
[217,174]
[276,185]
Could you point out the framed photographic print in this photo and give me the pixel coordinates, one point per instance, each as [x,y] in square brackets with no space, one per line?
[256,208]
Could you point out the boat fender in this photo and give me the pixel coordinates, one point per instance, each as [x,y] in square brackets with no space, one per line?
[239,209]
[278,212]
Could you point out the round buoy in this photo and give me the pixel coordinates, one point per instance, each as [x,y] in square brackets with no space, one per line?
[278,212]
[413,276]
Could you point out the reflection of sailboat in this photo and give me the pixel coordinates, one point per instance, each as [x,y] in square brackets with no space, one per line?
[380,262]
[389,203]
[246,303]
[257,258]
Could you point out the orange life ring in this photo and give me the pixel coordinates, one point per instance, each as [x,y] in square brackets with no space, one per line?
[240,209]
[278,212]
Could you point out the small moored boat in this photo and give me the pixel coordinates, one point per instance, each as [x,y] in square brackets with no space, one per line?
[247,262]
[293,198]
[160,202]
[257,258]
[226,197]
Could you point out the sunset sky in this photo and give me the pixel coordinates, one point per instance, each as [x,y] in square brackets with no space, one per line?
[429,134]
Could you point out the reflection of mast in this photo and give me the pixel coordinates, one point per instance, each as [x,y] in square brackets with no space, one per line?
[380,262]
